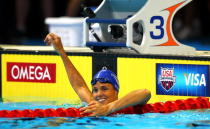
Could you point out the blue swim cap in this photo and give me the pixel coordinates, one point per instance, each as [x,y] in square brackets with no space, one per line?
[106,76]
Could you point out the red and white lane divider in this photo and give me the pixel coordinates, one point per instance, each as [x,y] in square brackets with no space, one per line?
[158,107]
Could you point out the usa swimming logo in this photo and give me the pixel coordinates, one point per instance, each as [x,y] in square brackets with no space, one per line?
[167,78]
[182,79]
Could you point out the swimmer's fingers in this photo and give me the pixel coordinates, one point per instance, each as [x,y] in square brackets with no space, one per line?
[89,109]
[91,105]
[94,114]
[55,41]
[97,112]
[96,109]
[52,39]
[49,39]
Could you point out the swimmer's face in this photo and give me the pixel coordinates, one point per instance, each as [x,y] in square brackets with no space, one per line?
[104,93]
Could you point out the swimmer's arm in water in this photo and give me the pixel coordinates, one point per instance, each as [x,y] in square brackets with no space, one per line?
[133,98]
[136,97]
[74,76]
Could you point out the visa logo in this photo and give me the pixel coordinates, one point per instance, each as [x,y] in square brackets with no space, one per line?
[193,79]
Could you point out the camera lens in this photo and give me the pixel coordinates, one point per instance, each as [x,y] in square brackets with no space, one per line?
[116,31]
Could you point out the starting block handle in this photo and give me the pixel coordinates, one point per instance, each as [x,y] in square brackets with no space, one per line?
[106,44]
[108,21]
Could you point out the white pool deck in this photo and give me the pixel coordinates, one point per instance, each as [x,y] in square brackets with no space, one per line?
[71,49]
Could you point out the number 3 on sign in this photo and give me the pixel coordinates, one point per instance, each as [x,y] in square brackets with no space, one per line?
[158,27]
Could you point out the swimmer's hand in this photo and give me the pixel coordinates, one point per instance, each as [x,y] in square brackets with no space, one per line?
[94,108]
[55,41]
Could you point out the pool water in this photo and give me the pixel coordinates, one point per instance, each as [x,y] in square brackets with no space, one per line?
[199,119]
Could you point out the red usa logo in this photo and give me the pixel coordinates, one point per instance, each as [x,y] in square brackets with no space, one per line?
[167,78]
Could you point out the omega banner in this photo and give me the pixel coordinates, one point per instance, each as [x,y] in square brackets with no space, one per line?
[27,77]
[182,80]
[31,72]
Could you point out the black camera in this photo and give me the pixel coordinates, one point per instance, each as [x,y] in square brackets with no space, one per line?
[117,31]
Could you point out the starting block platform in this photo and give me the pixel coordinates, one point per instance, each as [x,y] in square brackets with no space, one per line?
[144,25]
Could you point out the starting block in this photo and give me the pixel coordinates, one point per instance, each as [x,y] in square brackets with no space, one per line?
[145,25]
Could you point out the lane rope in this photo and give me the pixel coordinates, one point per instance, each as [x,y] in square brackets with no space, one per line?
[158,107]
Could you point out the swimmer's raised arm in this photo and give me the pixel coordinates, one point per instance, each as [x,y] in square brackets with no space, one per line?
[74,76]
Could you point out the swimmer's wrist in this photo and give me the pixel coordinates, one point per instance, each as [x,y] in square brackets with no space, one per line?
[62,53]
[111,108]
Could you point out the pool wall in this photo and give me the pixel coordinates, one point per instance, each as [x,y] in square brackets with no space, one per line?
[32,76]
